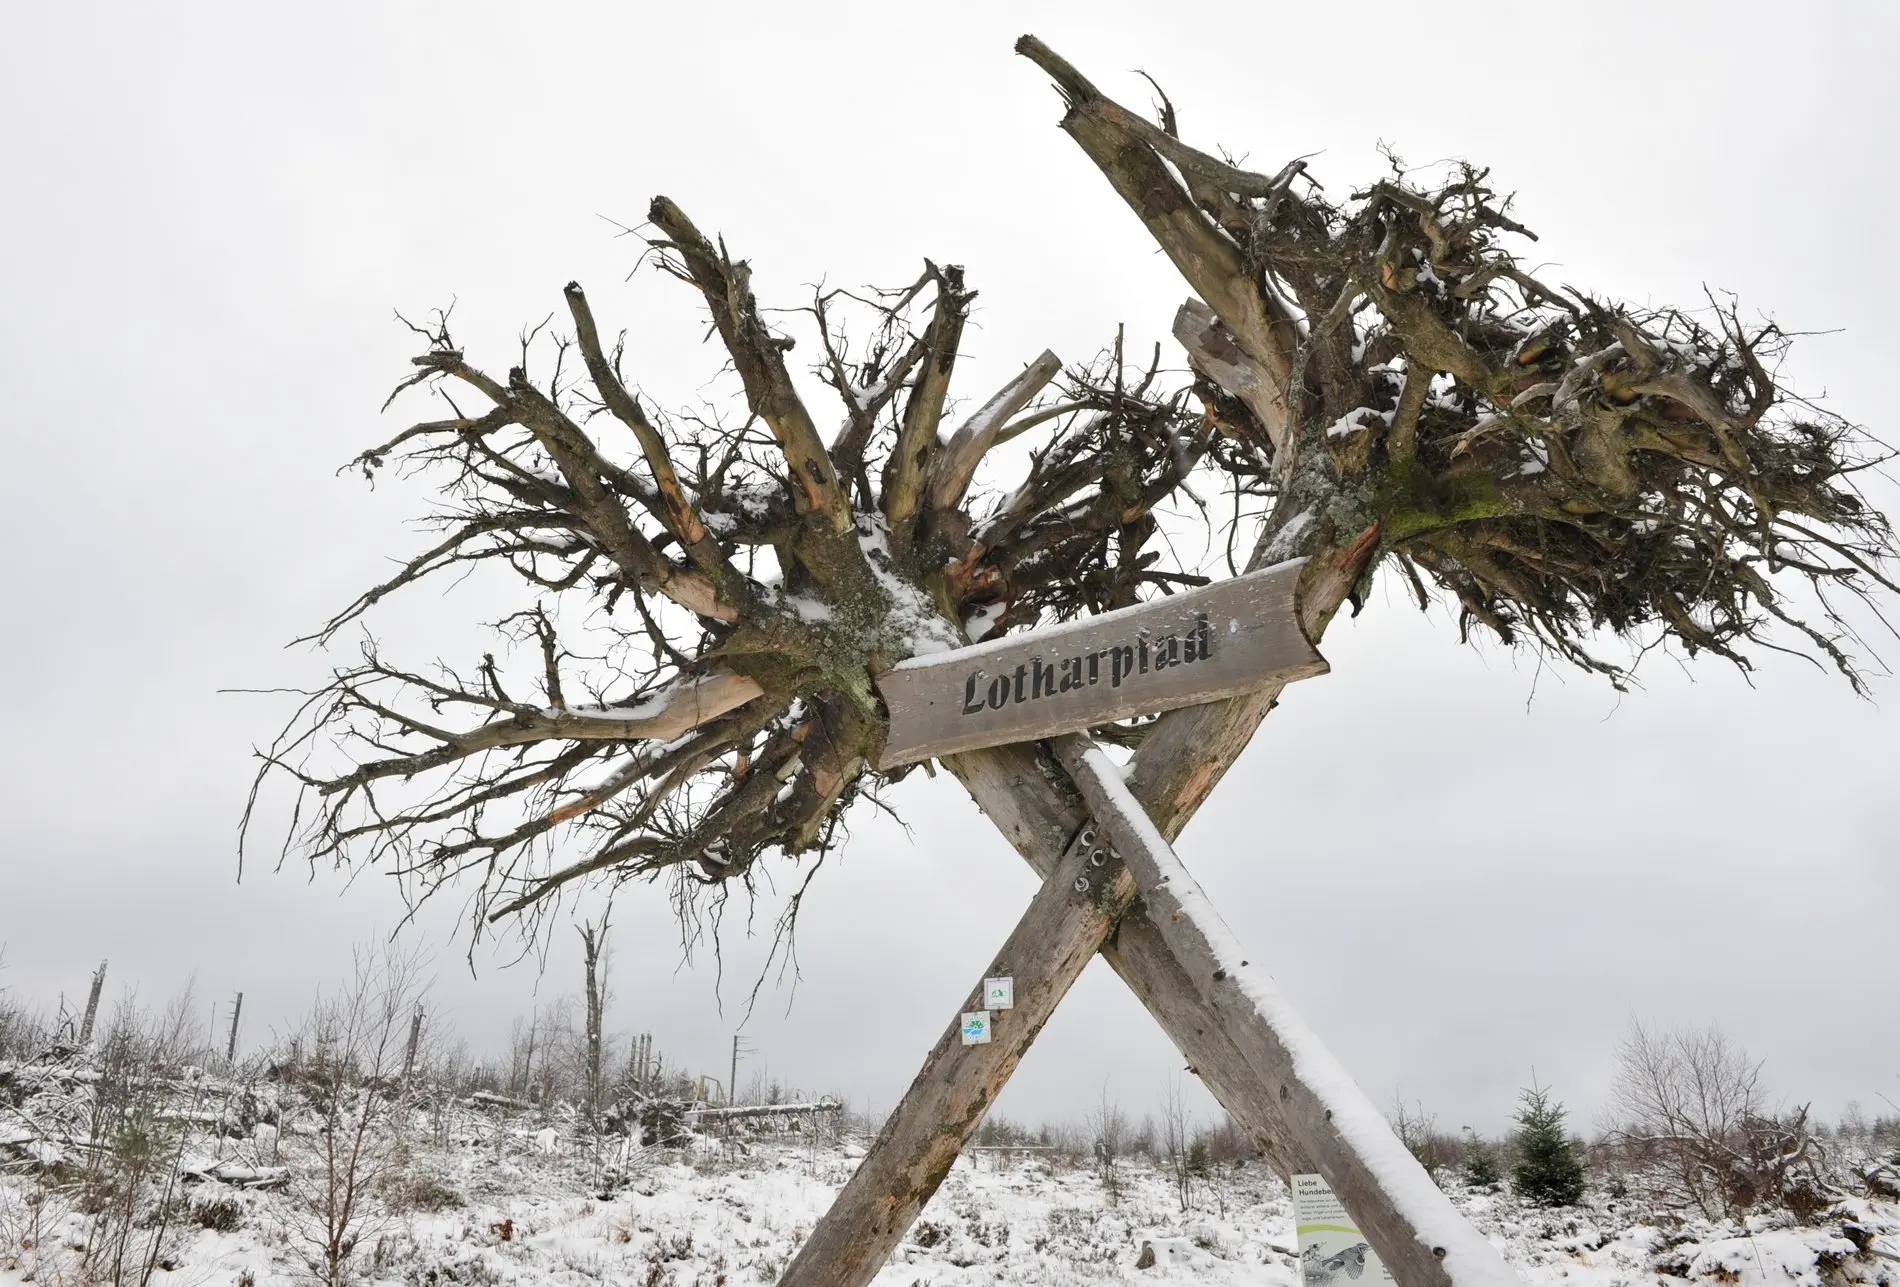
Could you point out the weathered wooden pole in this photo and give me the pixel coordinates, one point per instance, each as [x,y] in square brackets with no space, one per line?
[230,1046]
[592,938]
[1028,797]
[1258,1054]
[1250,630]
[92,1004]
[1419,1235]
[1064,927]
[415,1043]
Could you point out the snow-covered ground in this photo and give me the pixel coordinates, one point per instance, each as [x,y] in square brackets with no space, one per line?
[719,1217]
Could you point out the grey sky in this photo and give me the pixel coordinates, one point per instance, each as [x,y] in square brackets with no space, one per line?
[211,211]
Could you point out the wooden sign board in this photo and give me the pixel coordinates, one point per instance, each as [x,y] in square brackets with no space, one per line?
[1218,641]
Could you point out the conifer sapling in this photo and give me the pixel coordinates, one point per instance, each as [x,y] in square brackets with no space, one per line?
[1549,1172]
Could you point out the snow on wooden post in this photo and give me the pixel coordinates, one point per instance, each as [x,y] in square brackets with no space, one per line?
[1220,640]
[1413,1226]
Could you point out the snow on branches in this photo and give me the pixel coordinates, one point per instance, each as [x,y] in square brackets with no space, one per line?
[1379,374]
[738,585]
[1560,465]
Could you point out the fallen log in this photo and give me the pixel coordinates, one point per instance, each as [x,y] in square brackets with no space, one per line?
[239,1176]
[761,1110]
[489,1099]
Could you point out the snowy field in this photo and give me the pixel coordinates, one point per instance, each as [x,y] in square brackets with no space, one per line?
[522,1207]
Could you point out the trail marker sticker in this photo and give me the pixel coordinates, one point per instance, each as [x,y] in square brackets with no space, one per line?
[976,1028]
[999,994]
[1333,1253]
[1218,641]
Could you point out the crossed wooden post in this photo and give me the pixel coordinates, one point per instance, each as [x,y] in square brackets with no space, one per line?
[1118,887]
[1381,370]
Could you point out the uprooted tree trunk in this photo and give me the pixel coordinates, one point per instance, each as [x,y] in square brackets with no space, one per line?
[1561,465]
[939,1114]
[1247,348]
[711,595]
[770,577]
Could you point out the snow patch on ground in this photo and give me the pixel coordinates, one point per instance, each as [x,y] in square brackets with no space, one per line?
[712,1218]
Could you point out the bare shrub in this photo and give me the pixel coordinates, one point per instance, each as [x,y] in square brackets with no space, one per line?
[30,1216]
[24,1030]
[1695,1127]
[1109,1126]
[351,1054]
[1228,1144]
[421,1191]
[219,1214]
[135,1134]
[1175,1143]
[1418,1131]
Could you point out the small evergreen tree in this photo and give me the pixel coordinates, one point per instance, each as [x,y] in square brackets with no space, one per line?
[1549,1172]
[1481,1169]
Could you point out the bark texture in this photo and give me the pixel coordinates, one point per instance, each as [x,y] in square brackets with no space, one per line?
[1066,921]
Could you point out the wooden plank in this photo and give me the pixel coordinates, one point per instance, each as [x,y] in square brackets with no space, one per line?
[1065,925]
[1218,641]
[1420,1236]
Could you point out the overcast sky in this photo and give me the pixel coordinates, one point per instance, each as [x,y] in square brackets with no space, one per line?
[211,211]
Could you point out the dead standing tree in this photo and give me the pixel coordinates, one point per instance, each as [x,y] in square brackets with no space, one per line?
[1379,375]
[593,957]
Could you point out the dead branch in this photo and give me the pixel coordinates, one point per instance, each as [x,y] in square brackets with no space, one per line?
[732,712]
[1377,377]
[1562,467]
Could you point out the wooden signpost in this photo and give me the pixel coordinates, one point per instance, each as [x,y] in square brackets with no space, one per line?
[1239,636]
[1228,638]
